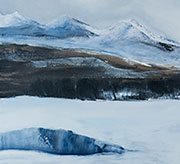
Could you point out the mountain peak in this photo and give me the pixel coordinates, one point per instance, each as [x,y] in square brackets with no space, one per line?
[132,30]
[13,19]
[125,26]
[66,26]
[16,14]
[65,20]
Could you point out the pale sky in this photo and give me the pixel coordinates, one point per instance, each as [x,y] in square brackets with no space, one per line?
[161,16]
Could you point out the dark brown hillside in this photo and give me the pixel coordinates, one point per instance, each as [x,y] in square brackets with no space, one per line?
[45,72]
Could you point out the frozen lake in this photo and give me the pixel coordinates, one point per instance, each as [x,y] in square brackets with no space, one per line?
[150,127]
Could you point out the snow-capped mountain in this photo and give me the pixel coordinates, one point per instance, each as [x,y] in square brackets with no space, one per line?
[131,32]
[14,19]
[127,38]
[66,27]
[15,24]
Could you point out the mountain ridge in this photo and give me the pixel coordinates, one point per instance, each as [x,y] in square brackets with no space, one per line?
[122,27]
[127,38]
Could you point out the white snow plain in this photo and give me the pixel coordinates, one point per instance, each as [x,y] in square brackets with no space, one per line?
[150,127]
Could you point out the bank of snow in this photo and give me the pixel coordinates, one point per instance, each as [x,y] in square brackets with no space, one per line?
[150,127]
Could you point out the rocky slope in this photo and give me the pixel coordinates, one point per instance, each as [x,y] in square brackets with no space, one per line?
[67,73]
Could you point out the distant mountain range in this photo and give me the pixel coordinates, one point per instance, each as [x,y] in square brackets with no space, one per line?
[15,24]
[127,39]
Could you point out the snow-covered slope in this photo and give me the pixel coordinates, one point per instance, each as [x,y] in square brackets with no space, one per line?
[132,41]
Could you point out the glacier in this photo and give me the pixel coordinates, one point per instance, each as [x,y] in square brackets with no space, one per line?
[60,142]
